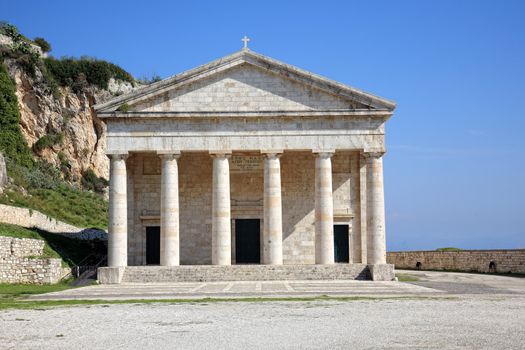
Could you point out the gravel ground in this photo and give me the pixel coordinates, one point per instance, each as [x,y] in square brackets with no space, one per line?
[483,322]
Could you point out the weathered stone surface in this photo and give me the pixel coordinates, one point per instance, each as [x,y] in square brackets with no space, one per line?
[210,273]
[20,262]
[382,272]
[110,275]
[71,114]
[510,260]
[3,172]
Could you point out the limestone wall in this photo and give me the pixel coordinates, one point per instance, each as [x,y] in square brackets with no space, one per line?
[195,200]
[31,218]
[511,260]
[19,262]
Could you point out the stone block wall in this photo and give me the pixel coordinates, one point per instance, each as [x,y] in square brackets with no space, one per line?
[247,190]
[20,247]
[504,261]
[19,262]
[244,89]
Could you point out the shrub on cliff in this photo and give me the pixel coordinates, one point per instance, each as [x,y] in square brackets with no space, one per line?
[43,43]
[92,182]
[68,71]
[48,140]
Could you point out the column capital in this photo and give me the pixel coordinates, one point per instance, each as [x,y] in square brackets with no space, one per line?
[221,154]
[169,154]
[117,156]
[327,153]
[272,154]
[367,155]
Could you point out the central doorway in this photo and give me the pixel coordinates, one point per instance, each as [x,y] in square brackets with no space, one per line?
[153,245]
[341,248]
[247,241]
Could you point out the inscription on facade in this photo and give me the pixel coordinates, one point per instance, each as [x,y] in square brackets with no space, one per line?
[246,164]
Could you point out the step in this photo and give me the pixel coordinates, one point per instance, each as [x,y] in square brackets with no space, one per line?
[211,273]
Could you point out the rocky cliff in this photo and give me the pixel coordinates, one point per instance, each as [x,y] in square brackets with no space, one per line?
[68,114]
[57,119]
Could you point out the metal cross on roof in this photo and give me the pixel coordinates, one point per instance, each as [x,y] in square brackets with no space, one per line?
[245,40]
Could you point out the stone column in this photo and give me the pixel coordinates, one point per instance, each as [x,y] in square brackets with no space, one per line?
[169,210]
[118,218]
[376,247]
[324,209]
[273,222]
[221,217]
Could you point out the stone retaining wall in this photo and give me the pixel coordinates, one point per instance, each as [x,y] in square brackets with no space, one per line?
[503,261]
[19,262]
[31,218]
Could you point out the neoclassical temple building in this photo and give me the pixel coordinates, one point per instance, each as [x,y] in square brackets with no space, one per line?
[247,160]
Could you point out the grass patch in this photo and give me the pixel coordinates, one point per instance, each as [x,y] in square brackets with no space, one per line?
[39,304]
[403,277]
[71,251]
[65,203]
[449,249]
[19,290]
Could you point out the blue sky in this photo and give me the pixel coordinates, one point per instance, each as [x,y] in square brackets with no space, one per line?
[455,165]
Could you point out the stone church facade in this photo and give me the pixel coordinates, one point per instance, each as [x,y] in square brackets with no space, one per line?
[246,160]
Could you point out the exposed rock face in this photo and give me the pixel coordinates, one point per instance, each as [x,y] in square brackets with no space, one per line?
[70,114]
[3,172]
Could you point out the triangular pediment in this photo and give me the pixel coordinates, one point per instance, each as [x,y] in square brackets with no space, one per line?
[245,82]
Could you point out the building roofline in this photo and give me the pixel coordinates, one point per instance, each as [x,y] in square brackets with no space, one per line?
[249,57]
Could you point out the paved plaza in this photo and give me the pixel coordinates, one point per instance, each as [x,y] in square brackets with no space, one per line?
[243,289]
[439,311]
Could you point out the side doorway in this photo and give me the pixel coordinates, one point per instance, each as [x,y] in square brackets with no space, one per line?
[153,245]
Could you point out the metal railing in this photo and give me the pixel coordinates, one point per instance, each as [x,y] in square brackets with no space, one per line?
[87,267]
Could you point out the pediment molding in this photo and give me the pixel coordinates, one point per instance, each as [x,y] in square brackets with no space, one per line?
[246,57]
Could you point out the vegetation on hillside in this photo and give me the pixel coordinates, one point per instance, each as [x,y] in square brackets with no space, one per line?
[76,73]
[79,73]
[37,184]
[71,251]
[49,194]
[12,142]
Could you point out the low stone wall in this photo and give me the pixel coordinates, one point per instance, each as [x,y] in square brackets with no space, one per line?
[31,218]
[19,262]
[19,248]
[503,261]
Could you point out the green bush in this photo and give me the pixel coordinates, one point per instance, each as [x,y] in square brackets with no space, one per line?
[123,108]
[67,71]
[41,175]
[48,141]
[12,142]
[43,43]
[92,182]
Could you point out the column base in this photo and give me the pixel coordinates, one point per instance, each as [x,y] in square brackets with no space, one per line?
[110,275]
[382,272]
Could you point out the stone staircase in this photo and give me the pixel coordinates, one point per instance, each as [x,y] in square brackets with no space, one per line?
[211,273]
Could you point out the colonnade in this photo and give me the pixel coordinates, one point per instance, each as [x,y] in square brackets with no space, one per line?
[221,211]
